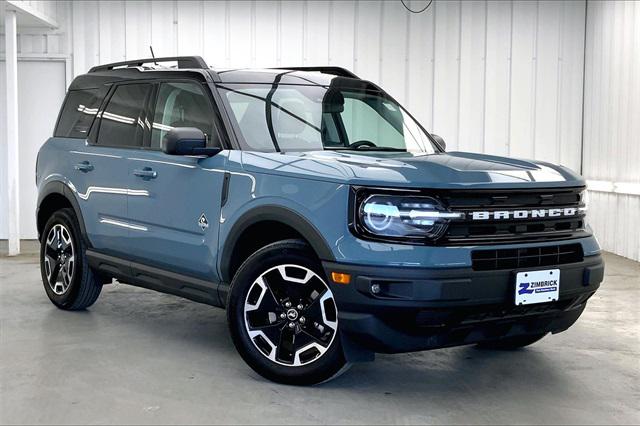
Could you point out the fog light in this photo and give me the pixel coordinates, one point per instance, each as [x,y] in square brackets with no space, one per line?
[375,288]
[340,278]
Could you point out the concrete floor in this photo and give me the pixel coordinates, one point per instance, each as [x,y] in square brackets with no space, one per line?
[142,357]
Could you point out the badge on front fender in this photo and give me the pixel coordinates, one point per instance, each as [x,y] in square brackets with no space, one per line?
[203,223]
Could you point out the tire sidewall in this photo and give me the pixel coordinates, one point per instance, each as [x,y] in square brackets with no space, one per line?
[288,252]
[67,219]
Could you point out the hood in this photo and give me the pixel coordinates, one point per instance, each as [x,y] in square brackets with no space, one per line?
[404,169]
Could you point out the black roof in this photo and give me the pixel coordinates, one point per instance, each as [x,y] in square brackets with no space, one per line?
[195,66]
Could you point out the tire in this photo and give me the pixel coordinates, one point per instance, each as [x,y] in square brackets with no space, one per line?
[283,318]
[62,249]
[511,343]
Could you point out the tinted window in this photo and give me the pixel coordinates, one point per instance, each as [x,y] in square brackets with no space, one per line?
[182,105]
[123,120]
[80,107]
[361,120]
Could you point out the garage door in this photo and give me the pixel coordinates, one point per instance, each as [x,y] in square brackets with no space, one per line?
[41,89]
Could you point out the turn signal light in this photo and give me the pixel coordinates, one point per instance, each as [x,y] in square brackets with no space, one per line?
[340,278]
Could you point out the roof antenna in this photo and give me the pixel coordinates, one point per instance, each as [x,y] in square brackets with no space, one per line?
[152,55]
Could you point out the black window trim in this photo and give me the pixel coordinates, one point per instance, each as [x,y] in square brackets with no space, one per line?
[217,126]
[93,138]
[64,104]
[218,120]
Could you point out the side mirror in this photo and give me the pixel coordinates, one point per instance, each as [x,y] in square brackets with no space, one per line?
[439,141]
[187,141]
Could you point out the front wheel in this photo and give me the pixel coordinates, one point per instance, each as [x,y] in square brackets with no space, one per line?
[283,317]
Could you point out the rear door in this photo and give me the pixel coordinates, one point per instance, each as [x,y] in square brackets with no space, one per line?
[100,167]
[175,224]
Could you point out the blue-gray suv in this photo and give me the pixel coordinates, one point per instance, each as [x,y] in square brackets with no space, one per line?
[313,207]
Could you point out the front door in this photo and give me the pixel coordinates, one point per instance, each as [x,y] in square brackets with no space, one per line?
[175,225]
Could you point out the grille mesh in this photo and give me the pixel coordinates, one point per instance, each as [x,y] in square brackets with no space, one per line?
[529,257]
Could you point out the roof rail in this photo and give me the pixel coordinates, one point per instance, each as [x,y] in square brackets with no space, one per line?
[339,71]
[183,62]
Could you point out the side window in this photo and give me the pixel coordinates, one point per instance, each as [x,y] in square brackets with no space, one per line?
[79,109]
[182,105]
[123,119]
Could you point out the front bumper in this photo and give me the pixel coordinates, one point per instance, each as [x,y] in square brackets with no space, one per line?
[420,308]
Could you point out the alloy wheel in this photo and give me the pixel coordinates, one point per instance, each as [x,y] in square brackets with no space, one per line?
[290,315]
[59,259]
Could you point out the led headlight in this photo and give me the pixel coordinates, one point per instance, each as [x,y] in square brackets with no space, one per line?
[405,216]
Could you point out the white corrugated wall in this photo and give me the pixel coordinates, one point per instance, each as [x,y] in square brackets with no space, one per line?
[612,124]
[498,77]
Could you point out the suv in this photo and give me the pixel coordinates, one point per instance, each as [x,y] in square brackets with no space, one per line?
[313,207]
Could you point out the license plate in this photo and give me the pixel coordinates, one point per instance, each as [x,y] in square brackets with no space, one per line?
[537,286]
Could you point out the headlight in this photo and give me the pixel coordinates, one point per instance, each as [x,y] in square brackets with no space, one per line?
[409,217]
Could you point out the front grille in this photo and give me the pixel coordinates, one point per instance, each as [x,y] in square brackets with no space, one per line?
[468,231]
[526,257]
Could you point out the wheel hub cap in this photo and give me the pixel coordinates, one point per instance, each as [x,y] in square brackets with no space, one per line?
[292,314]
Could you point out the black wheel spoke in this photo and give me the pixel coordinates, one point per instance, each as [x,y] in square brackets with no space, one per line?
[272,332]
[260,319]
[286,345]
[269,301]
[55,271]
[276,285]
[320,333]
[314,303]
[51,252]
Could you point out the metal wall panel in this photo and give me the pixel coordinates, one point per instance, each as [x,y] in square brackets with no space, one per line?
[497,77]
[612,125]
[41,41]
[36,96]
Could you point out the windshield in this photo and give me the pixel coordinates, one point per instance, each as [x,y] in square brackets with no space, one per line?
[305,118]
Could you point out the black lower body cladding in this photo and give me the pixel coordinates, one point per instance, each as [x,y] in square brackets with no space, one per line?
[393,309]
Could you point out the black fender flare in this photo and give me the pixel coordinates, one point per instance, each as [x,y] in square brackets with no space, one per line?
[60,188]
[277,214]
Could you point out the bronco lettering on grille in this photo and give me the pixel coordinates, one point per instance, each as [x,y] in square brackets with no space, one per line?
[526,214]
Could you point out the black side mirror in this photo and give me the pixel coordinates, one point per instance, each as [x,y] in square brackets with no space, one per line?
[187,141]
[439,141]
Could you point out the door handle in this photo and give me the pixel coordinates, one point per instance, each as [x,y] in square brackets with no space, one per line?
[84,167]
[146,173]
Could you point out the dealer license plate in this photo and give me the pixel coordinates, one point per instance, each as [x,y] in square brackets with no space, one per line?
[537,286]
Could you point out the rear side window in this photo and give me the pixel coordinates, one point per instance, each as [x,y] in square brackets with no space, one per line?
[79,109]
[182,105]
[123,120]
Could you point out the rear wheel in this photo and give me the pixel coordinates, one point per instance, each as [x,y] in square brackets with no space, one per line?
[283,317]
[68,280]
[511,343]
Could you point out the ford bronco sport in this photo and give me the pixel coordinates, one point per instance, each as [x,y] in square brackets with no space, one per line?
[313,207]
